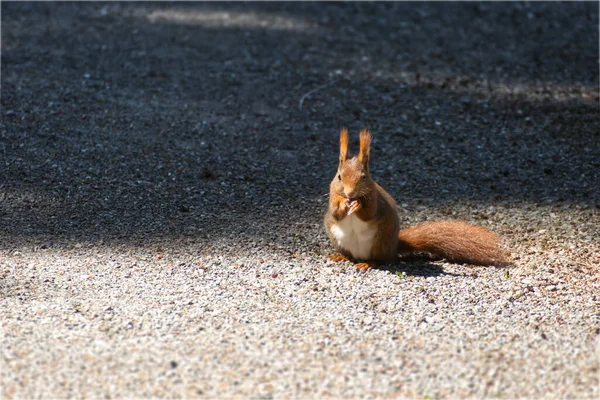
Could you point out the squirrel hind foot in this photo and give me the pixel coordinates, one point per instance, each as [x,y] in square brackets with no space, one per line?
[336,257]
[366,266]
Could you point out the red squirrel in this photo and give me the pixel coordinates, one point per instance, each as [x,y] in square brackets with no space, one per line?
[363,225]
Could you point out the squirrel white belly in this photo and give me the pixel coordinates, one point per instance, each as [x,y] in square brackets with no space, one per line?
[356,236]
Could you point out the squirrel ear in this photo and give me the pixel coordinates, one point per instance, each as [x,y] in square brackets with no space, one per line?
[365,146]
[343,145]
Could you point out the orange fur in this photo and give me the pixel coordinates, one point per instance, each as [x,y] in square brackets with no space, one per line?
[455,241]
[365,146]
[343,145]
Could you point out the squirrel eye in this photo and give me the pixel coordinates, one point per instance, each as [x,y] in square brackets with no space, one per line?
[339,177]
[364,177]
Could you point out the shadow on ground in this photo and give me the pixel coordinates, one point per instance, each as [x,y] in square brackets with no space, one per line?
[132,121]
[416,267]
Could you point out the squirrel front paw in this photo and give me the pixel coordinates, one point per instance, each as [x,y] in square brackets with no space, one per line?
[353,206]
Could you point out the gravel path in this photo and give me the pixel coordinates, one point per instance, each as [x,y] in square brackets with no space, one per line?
[162,178]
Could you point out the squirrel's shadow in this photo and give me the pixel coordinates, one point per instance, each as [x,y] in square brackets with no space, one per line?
[416,267]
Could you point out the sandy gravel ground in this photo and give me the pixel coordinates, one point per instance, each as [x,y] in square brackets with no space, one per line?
[162,178]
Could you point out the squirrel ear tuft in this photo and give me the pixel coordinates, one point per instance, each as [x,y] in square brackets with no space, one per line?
[343,145]
[365,146]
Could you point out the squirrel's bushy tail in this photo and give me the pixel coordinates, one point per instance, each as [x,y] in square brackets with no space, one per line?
[455,241]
